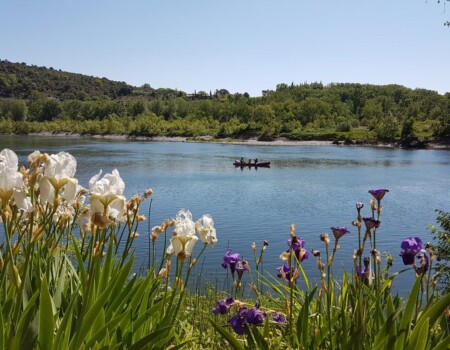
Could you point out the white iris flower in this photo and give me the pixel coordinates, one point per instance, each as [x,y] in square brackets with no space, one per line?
[106,195]
[58,179]
[10,179]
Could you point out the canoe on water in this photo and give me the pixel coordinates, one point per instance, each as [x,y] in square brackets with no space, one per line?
[257,165]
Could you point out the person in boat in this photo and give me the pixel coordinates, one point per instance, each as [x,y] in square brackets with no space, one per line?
[256,160]
[242,160]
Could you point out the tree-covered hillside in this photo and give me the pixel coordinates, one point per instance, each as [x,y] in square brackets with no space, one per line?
[35,99]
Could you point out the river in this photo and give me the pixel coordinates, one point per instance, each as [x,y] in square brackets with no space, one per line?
[314,187]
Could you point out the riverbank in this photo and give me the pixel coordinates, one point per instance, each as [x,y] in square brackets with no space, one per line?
[250,141]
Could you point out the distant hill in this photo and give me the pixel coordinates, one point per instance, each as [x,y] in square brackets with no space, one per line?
[19,80]
[69,102]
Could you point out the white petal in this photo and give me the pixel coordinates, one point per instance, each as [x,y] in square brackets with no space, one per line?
[32,157]
[205,222]
[96,205]
[185,228]
[189,246]
[183,214]
[93,182]
[169,250]
[117,208]
[70,190]
[208,236]
[46,191]
[60,165]
[176,244]
[22,201]
[10,158]
[110,184]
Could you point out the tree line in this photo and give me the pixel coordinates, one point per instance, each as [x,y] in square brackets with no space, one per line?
[34,99]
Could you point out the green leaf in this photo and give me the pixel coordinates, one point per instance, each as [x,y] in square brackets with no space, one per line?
[81,268]
[2,328]
[64,326]
[87,321]
[234,343]
[303,320]
[46,326]
[148,339]
[57,298]
[434,311]
[405,323]
[444,344]
[107,265]
[422,339]
[103,331]
[429,316]
[25,322]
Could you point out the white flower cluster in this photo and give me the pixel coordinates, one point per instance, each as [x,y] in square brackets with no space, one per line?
[185,234]
[50,181]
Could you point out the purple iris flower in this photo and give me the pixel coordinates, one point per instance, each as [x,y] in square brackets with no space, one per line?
[238,324]
[338,232]
[284,270]
[279,318]
[255,316]
[297,244]
[222,306]
[411,246]
[371,223]
[362,274]
[378,193]
[230,260]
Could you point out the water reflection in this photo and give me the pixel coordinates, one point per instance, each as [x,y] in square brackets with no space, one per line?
[315,187]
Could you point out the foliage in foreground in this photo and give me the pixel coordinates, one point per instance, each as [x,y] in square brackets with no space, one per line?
[442,235]
[360,312]
[68,281]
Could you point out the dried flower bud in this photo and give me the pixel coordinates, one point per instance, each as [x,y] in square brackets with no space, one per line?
[325,238]
[246,265]
[179,282]
[148,192]
[292,230]
[193,262]
[295,275]
[285,256]
[254,246]
[315,252]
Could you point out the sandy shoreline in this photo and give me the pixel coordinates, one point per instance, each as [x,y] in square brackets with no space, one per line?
[252,141]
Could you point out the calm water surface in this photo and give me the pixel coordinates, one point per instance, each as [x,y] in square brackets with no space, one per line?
[314,187]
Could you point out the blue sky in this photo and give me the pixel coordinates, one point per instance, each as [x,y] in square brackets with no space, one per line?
[238,45]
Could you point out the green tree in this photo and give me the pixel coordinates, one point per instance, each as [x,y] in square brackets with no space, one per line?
[51,109]
[407,128]
[13,109]
[386,128]
[442,236]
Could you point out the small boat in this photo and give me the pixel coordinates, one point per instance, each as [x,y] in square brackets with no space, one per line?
[252,164]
